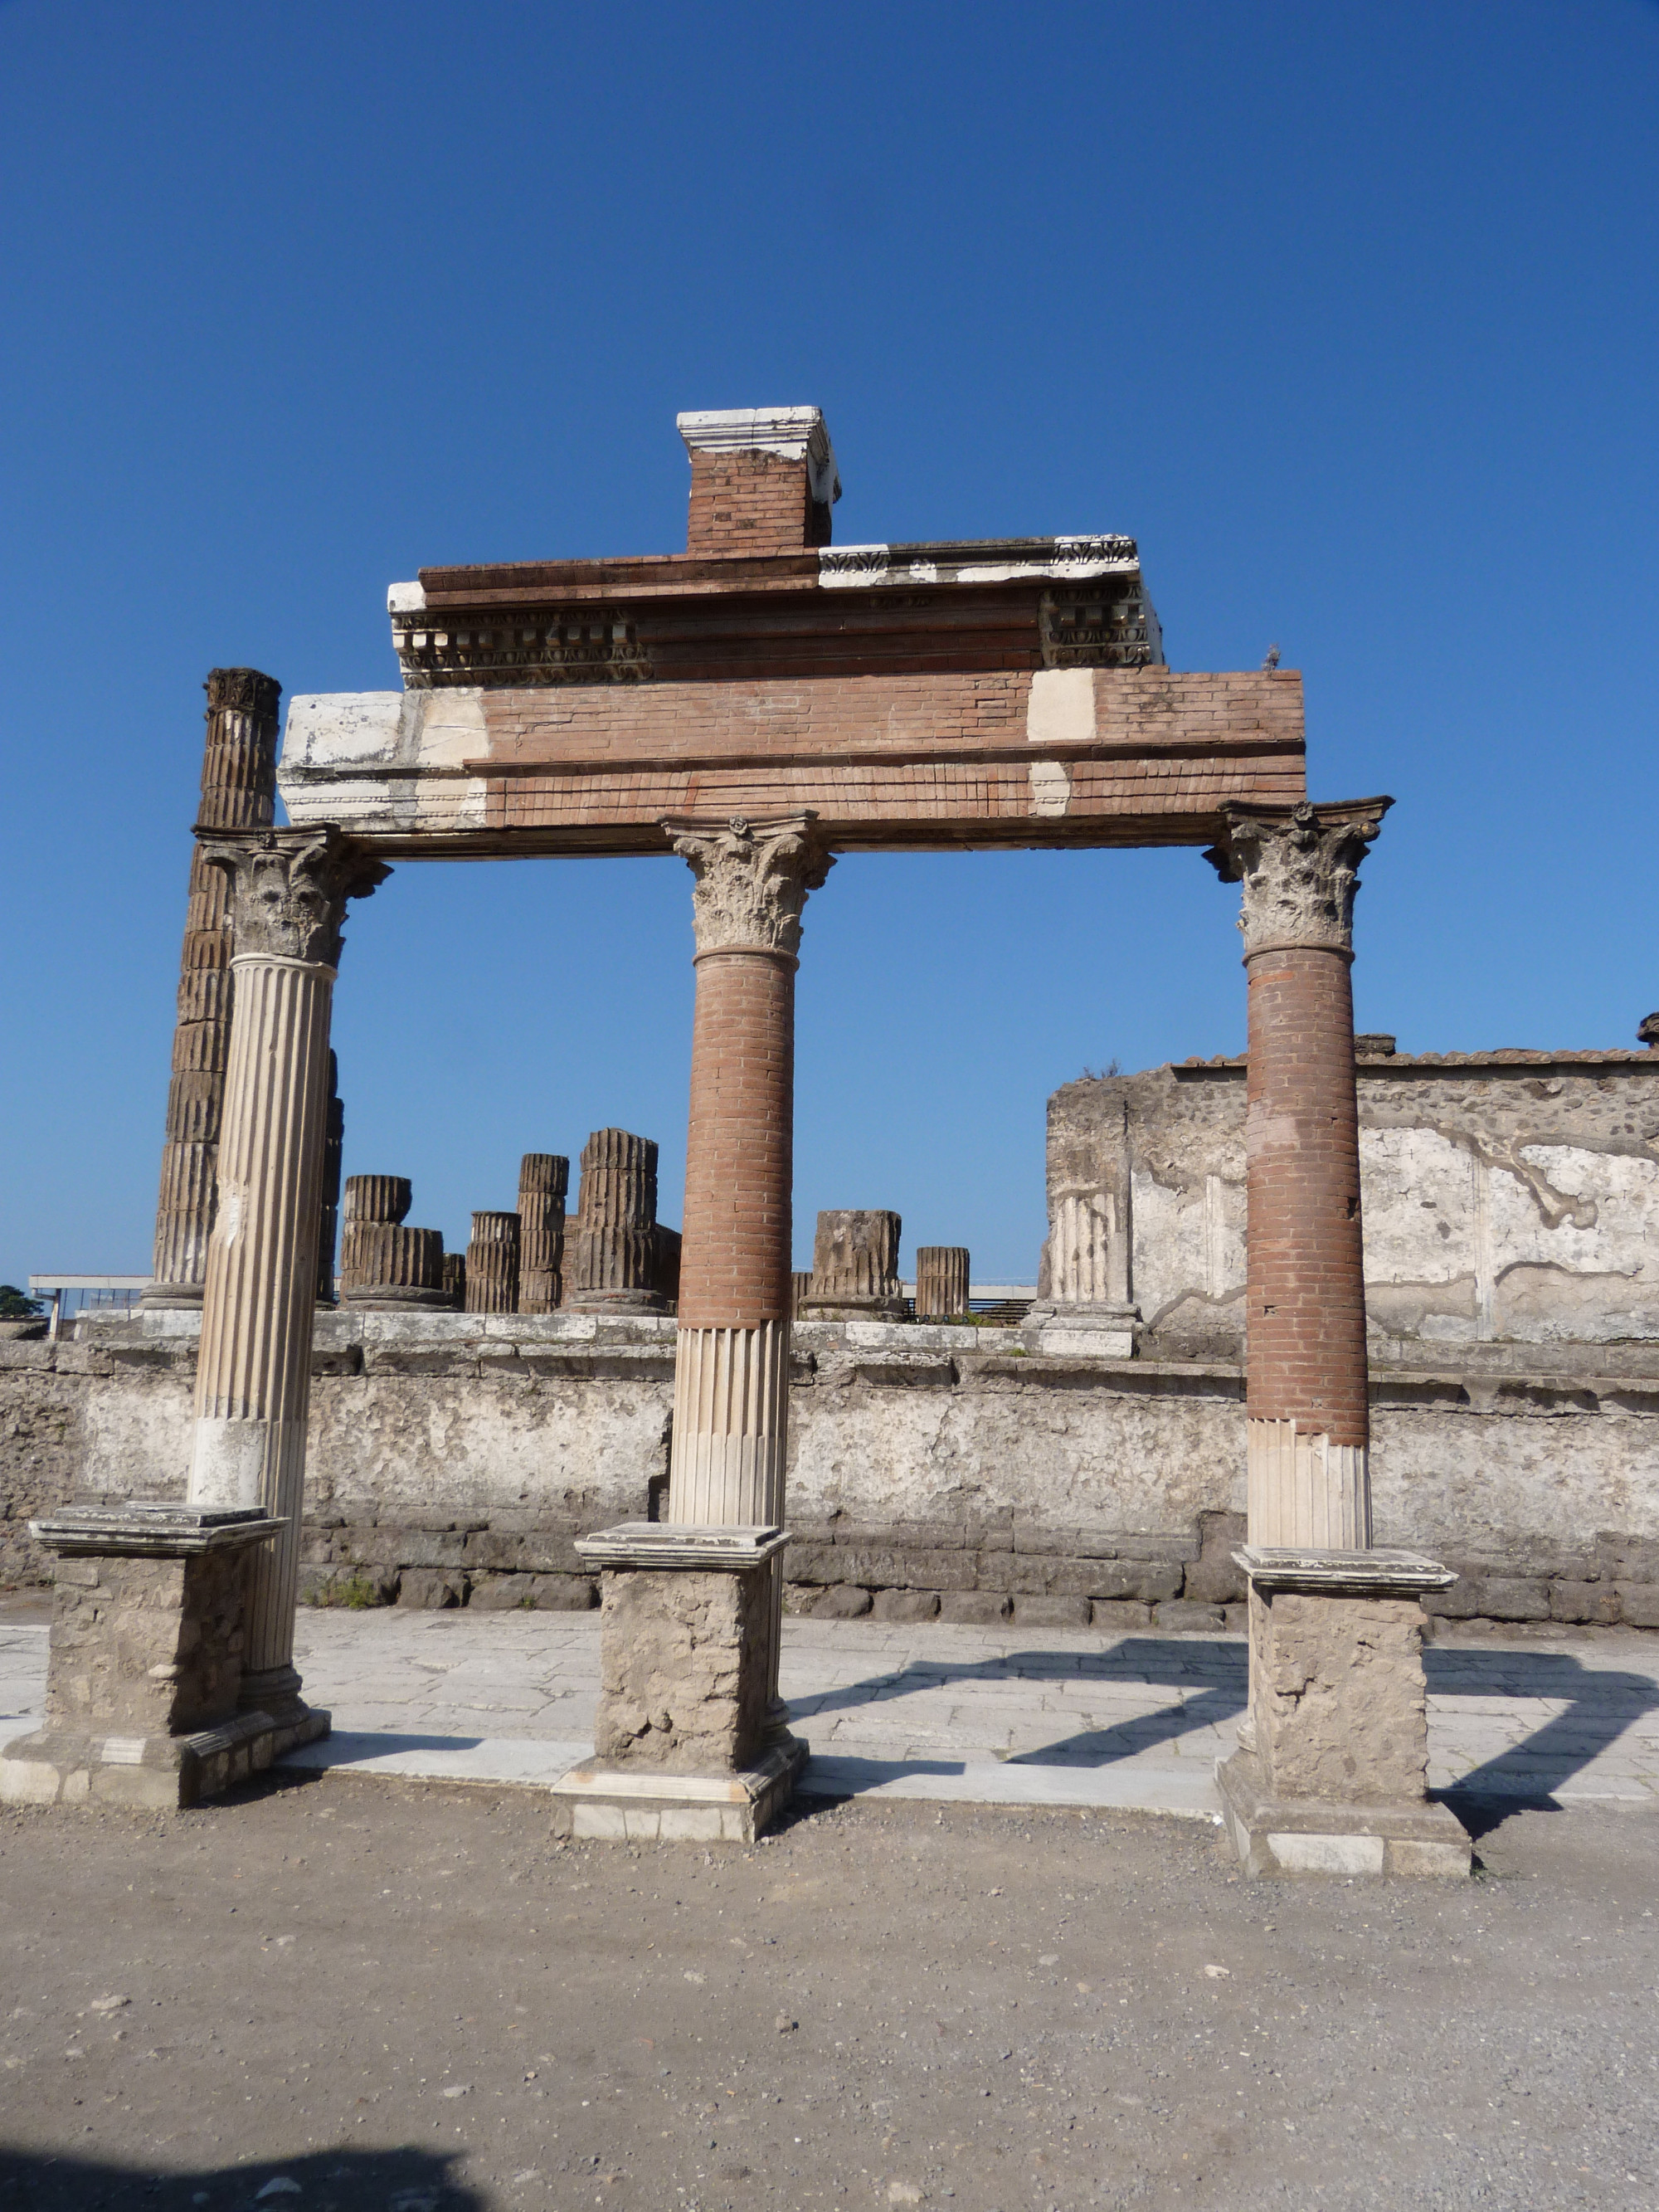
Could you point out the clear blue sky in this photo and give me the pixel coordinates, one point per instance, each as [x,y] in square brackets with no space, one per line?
[1347,314]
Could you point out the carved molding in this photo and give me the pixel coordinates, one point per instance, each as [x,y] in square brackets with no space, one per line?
[585,645]
[1299,867]
[752,879]
[289,889]
[1117,628]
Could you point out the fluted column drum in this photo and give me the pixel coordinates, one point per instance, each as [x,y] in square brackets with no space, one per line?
[612,1256]
[492,1264]
[544,1181]
[253,1373]
[941,1280]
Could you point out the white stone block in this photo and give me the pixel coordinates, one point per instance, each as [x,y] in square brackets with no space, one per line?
[1310,1854]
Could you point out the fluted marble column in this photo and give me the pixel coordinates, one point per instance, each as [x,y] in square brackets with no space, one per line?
[288,889]
[732,1367]
[941,1281]
[1308,1416]
[238,792]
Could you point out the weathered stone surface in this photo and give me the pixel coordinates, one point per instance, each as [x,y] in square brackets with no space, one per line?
[843,1602]
[855,1267]
[1051,1612]
[492,1264]
[433,1587]
[906,1604]
[1179,1614]
[975,1608]
[543,1182]
[1338,1698]
[1114,1615]
[941,1280]
[674,1691]
[611,1255]
[146,1647]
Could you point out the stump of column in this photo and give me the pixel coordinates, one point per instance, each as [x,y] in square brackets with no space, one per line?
[288,893]
[800,1289]
[333,1161]
[683,1749]
[544,1180]
[855,1268]
[397,1270]
[238,792]
[941,1281]
[492,1264]
[1335,1776]
[144,1669]
[454,1278]
[612,1256]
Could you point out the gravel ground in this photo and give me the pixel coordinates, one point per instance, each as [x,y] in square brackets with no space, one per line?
[333,1994]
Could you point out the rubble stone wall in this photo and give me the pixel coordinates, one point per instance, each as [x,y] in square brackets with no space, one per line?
[934,1471]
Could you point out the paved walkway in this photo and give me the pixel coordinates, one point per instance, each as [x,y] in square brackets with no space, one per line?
[1042,1716]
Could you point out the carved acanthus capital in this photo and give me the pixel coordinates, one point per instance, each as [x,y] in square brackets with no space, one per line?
[1299,867]
[752,879]
[289,887]
[243,691]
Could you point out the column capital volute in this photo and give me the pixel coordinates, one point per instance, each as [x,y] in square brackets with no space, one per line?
[289,888]
[1299,870]
[752,879]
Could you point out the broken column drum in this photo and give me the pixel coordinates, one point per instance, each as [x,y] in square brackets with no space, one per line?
[289,893]
[370,1202]
[612,1257]
[1307,1415]
[941,1281]
[384,1266]
[544,1180]
[855,1268]
[238,792]
[492,1264]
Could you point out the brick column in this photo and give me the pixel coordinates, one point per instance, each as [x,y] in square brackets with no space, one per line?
[238,792]
[289,891]
[1308,1424]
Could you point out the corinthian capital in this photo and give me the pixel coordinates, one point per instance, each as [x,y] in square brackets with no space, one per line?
[1299,866]
[289,887]
[752,879]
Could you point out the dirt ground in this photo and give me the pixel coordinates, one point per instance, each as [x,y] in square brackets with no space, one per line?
[335,1994]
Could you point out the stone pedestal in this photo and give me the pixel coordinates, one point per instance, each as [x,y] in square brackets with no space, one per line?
[1102,1330]
[682,1745]
[941,1281]
[855,1268]
[238,792]
[1333,1777]
[611,1259]
[544,1180]
[146,1660]
[289,893]
[492,1264]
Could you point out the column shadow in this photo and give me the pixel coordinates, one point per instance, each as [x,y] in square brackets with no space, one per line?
[1525,1776]
[405,2180]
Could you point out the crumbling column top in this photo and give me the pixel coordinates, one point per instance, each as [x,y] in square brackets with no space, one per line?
[669,1544]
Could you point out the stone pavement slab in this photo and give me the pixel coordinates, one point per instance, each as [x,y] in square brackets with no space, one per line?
[984,1716]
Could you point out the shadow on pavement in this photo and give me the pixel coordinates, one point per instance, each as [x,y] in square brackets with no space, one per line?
[321,2181]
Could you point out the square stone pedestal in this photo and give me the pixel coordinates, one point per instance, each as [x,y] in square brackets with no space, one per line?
[145,1660]
[1331,1772]
[681,1741]
[1085,1332]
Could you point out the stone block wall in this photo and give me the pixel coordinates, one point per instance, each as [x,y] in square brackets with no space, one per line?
[1511,1204]
[935,1472]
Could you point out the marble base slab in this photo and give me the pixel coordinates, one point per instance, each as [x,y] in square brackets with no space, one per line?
[629,1804]
[1282,1835]
[61,1766]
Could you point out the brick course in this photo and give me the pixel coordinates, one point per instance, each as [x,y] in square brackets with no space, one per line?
[739,1145]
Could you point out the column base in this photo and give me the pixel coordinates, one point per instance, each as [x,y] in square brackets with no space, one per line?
[1285,1835]
[628,1804]
[614,1302]
[171,1298]
[400,1297]
[61,1766]
[275,1691]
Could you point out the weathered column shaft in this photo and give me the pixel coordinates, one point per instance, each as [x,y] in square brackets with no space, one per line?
[544,1180]
[732,1402]
[253,1373]
[1308,1420]
[492,1264]
[333,1160]
[238,792]
[941,1280]
[612,1256]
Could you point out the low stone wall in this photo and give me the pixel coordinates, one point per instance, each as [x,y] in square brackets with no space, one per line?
[935,1472]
